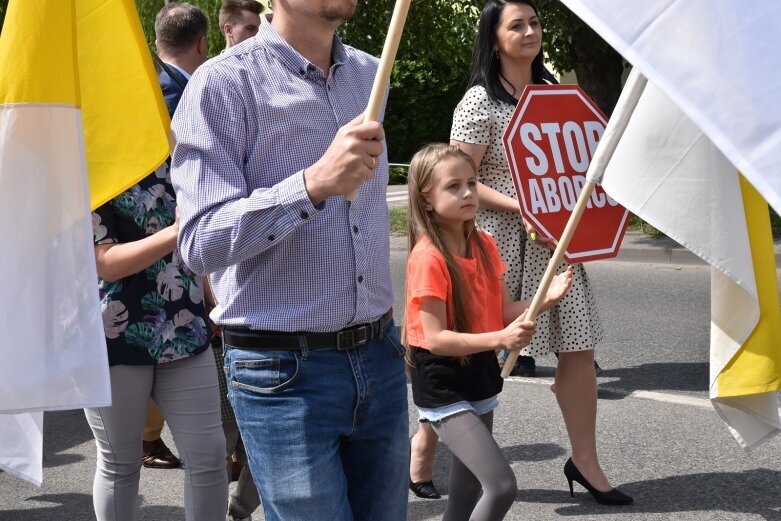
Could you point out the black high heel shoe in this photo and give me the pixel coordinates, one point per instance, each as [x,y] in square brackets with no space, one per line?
[611,497]
[424,489]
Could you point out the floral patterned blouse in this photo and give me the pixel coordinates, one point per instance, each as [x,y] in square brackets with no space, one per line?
[156,315]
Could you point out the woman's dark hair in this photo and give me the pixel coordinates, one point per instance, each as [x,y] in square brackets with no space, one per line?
[486,71]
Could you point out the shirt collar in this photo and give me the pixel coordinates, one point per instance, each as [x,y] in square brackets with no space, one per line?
[269,39]
[182,71]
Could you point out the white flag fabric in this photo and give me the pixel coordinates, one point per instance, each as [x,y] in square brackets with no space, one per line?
[82,118]
[718,61]
[660,165]
[54,333]
[22,438]
[53,340]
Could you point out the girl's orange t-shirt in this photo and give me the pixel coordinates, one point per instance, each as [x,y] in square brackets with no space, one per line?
[427,276]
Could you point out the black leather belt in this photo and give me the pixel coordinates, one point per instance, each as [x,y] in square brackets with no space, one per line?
[348,338]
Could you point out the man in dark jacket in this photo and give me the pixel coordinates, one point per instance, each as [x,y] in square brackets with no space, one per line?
[180,37]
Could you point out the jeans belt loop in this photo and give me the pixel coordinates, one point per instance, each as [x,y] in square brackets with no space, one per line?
[304,347]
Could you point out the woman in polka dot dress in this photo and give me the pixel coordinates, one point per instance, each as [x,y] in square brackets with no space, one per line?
[508,56]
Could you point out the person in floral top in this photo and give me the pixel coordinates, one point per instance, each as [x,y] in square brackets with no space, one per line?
[157,338]
[156,315]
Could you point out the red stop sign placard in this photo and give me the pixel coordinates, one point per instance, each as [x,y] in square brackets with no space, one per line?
[549,142]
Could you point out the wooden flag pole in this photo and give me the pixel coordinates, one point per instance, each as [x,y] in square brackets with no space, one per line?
[382,79]
[553,264]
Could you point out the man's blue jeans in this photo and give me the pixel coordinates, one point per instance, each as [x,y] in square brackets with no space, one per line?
[326,431]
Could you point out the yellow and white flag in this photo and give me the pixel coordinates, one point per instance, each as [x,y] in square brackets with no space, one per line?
[78,96]
[671,154]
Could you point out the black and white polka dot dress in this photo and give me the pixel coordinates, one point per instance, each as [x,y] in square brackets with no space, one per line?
[573,325]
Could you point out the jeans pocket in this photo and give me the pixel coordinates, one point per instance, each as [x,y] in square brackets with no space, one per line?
[267,375]
[391,338]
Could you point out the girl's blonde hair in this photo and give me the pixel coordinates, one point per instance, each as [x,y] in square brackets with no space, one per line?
[422,177]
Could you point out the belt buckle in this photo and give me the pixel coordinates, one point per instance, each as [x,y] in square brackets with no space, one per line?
[350,338]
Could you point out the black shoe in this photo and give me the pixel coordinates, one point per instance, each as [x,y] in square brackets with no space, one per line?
[424,489]
[611,497]
[524,366]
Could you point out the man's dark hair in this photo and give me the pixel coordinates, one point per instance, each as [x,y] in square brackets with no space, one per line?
[178,26]
[230,12]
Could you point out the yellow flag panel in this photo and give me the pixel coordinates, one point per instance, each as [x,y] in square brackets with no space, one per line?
[91,54]
[756,368]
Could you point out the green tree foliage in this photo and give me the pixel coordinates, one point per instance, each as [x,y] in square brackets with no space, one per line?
[3,7]
[571,45]
[433,62]
[147,9]
[434,59]
[431,69]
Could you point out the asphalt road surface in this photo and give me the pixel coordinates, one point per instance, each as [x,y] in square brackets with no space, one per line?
[658,436]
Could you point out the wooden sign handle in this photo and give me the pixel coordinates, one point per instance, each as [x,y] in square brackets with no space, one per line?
[553,264]
[382,78]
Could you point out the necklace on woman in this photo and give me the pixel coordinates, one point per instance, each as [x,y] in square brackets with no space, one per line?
[513,91]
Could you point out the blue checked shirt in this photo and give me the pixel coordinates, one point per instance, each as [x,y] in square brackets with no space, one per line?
[251,120]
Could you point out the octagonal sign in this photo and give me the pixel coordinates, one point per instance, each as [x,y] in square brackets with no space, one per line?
[549,143]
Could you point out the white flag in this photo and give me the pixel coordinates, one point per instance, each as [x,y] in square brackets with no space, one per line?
[718,61]
[661,166]
[78,92]
[671,154]
[22,438]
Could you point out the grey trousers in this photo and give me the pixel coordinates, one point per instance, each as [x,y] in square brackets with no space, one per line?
[482,484]
[186,392]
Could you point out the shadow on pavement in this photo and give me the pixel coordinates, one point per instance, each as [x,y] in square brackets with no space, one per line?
[533,452]
[686,377]
[63,430]
[691,377]
[75,507]
[730,492]
[78,507]
[160,513]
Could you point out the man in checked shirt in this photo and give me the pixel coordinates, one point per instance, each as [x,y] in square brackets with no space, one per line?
[269,140]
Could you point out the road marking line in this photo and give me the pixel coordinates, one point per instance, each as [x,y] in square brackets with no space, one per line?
[645,395]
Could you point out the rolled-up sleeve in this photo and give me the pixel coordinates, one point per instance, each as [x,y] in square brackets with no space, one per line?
[222,222]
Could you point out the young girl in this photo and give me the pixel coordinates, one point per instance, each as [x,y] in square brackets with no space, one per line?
[458,314]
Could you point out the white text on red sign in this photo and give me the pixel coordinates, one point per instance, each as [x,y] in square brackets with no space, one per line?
[580,143]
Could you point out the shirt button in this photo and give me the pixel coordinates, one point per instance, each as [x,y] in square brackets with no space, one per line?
[271,237]
[355,229]
[360,279]
[304,215]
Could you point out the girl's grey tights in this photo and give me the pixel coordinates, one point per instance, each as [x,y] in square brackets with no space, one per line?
[478,465]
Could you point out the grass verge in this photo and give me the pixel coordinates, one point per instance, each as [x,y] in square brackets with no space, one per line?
[398,221]
[636,224]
